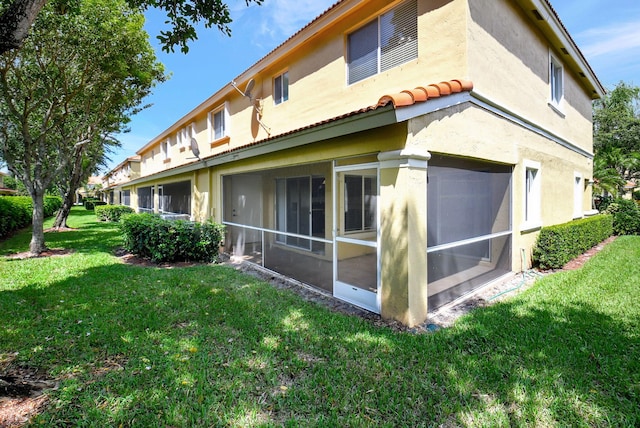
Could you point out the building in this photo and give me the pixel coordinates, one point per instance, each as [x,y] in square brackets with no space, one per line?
[396,154]
[113,181]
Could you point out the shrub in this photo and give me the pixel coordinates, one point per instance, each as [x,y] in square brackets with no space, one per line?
[90,204]
[112,212]
[602,202]
[626,217]
[149,236]
[16,211]
[557,245]
[51,205]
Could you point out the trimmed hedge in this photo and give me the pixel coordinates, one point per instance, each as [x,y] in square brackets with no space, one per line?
[112,212]
[90,204]
[16,212]
[149,236]
[557,245]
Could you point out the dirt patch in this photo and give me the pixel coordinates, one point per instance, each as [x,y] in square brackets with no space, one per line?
[583,258]
[49,252]
[131,259]
[22,392]
[60,229]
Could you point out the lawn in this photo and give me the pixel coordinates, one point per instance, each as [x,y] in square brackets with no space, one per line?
[210,346]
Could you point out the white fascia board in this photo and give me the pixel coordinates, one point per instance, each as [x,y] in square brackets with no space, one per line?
[431,105]
[552,19]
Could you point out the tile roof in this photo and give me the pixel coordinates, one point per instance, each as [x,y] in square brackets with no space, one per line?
[423,93]
[401,99]
[396,100]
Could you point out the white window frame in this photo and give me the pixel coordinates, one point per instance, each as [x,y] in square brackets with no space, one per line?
[280,95]
[184,135]
[556,83]
[390,54]
[578,192]
[225,122]
[165,149]
[532,195]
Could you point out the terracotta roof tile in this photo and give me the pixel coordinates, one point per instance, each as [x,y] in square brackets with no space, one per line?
[424,93]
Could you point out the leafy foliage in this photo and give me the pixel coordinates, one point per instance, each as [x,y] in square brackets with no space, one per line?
[112,212]
[616,133]
[626,217]
[90,204]
[149,236]
[557,245]
[15,211]
[184,15]
[75,81]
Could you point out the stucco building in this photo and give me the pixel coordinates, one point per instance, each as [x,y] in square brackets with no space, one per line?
[397,154]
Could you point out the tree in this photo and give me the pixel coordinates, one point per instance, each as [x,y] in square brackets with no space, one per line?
[74,82]
[616,133]
[87,158]
[616,119]
[17,17]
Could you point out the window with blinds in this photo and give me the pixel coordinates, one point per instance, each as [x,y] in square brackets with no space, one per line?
[384,43]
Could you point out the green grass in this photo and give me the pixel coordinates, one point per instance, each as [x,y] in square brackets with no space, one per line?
[209,346]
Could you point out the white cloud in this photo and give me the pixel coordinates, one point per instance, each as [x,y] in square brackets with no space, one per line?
[612,39]
[282,18]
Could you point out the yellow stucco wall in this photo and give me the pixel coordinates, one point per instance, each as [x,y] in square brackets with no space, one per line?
[318,88]
[472,132]
[509,63]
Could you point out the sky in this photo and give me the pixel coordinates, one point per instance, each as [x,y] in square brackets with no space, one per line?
[607,33]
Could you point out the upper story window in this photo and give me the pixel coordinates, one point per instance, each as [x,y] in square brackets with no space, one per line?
[218,123]
[384,43]
[184,136]
[281,88]
[556,81]
[164,149]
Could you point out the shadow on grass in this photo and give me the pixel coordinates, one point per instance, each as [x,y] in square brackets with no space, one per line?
[207,345]
[89,235]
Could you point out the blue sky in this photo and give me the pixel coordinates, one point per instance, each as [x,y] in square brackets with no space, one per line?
[607,33]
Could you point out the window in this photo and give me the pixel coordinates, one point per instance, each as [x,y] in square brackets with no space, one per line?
[532,195]
[164,149]
[360,203]
[281,88]
[384,43]
[300,209]
[175,198]
[184,136]
[145,199]
[578,190]
[556,81]
[218,123]
[125,197]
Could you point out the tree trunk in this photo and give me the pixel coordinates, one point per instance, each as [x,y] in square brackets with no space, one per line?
[37,232]
[63,213]
[16,21]
[69,189]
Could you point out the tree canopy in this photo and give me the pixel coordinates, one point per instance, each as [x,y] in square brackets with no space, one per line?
[17,16]
[616,134]
[71,85]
